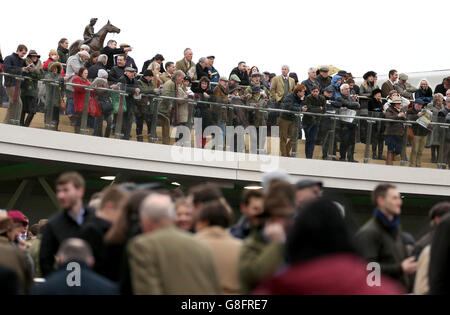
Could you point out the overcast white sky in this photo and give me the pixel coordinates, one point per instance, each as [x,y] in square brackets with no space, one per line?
[352,35]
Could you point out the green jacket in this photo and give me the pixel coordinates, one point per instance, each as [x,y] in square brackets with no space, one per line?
[258,260]
[52,92]
[256,117]
[29,87]
[167,90]
[377,244]
[34,253]
[144,105]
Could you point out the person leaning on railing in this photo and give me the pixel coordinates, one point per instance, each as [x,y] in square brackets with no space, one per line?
[53,95]
[394,130]
[129,85]
[14,64]
[165,107]
[220,95]
[295,102]
[348,129]
[331,107]
[79,97]
[257,118]
[142,110]
[375,108]
[29,93]
[315,103]
[104,102]
[203,93]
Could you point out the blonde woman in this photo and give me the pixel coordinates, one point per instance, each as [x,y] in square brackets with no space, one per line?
[424,92]
[155,68]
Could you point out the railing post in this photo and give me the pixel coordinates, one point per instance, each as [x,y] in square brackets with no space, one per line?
[84,129]
[441,164]
[14,111]
[404,158]
[191,106]
[119,134]
[370,124]
[153,138]
[296,131]
[331,139]
[49,105]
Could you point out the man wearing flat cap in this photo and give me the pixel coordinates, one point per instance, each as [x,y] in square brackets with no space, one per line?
[323,78]
[404,88]
[215,76]
[307,190]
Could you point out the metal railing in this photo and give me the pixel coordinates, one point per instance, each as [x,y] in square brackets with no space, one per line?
[154,101]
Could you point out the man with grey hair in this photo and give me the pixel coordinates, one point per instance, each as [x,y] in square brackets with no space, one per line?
[311,81]
[165,260]
[74,276]
[202,70]
[282,85]
[186,63]
[85,48]
[101,64]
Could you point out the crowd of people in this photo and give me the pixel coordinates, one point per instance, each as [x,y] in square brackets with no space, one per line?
[290,239]
[320,93]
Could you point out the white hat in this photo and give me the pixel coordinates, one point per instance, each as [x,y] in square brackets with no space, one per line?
[102,74]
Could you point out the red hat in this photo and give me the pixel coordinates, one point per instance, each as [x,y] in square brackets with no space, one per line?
[17,216]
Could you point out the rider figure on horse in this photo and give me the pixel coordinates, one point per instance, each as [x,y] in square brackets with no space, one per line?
[89,31]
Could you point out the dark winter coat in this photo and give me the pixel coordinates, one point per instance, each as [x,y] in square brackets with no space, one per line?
[91,283]
[93,70]
[379,242]
[201,72]
[115,74]
[424,95]
[393,128]
[59,228]
[292,103]
[418,130]
[243,76]
[315,105]
[63,55]
[13,64]
[93,232]
[323,83]
[439,273]
[29,87]
[309,85]
[202,110]
[110,53]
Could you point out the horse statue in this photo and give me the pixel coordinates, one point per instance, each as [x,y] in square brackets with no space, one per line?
[97,42]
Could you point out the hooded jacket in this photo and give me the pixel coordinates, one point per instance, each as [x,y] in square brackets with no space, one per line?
[336,86]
